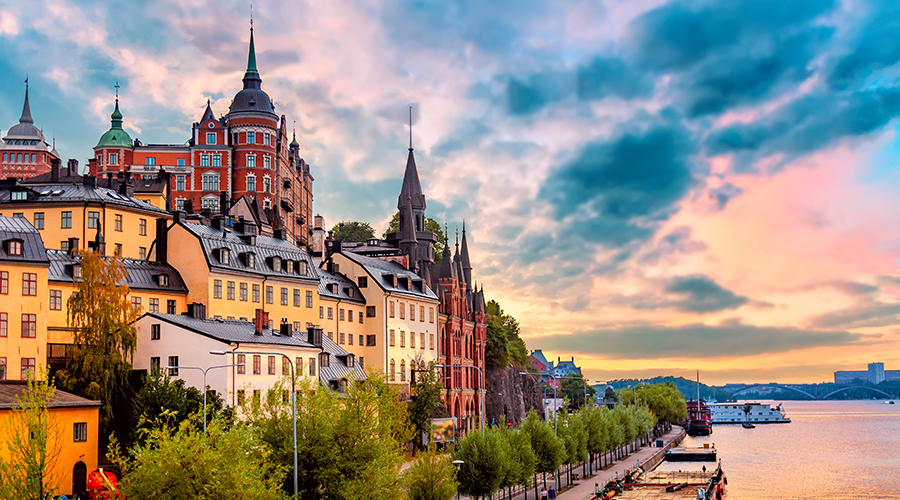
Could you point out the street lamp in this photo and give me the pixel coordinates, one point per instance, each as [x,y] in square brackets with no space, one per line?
[458,464]
[293,397]
[480,372]
[204,382]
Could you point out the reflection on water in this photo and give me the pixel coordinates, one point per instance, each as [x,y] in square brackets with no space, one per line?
[831,449]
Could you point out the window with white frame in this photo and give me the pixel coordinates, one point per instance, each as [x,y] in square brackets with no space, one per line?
[217,160]
[204,160]
[251,137]
[251,161]
[210,182]
[210,137]
[179,183]
[267,162]
[267,184]
[267,139]
[210,203]
[251,182]
[113,158]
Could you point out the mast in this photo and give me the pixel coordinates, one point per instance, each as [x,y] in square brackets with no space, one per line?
[698,389]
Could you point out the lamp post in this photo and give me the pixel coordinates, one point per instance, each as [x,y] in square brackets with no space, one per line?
[458,464]
[480,372]
[204,370]
[293,397]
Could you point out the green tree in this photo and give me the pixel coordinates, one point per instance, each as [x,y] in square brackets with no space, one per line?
[505,344]
[430,225]
[431,477]
[353,231]
[664,400]
[549,451]
[574,390]
[522,458]
[33,443]
[486,464]
[425,398]
[102,318]
[182,462]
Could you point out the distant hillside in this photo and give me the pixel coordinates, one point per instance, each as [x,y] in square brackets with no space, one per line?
[687,387]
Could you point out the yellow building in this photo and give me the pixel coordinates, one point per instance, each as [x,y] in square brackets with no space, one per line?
[233,271]
[67,213]
[75,424]
[23,295]
[342,310]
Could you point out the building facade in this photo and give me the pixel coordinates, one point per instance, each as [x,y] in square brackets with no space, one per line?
[24,151]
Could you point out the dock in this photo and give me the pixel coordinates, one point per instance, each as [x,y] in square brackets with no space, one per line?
[705,454]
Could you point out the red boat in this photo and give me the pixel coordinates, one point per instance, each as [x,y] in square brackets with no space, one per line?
[699,420]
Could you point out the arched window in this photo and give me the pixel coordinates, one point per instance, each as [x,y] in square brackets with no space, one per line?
[403,370]
[251,182]
[393,371]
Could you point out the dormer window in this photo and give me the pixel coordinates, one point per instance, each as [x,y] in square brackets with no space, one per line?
[76,271]
[162,280]
[404,282]
[324,360]
[250,259]
[224,256]
[333,288]
[276,263]
[289,266]
[351,360]
[301,268]
[19,195]
[14,248]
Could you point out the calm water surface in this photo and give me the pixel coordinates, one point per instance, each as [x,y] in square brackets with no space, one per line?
[831,449]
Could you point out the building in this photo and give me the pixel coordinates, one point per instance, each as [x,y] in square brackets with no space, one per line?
[75,422]
[876,373]
[244,153]
[566,368]
[543,368]
[25,152]
[176,342]
[342,311]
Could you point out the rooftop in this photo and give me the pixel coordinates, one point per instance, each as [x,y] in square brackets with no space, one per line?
[11,391]
[379,270]
[142,274]
[18,228]
[73,193]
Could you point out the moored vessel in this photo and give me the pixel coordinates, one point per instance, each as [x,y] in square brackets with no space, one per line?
[699,421]
[754,413]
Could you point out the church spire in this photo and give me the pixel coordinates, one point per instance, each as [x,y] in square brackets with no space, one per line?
[26,108]
[464,259]
[251,76]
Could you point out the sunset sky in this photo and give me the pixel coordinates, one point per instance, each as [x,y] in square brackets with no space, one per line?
[651,187]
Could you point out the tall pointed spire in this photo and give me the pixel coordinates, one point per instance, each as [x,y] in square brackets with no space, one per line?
[464,259]
[412,188]
[251,76]
[208,114]
[26,108]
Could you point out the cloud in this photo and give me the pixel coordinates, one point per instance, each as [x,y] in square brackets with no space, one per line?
[679,241]
[861,316]
[701,294]
[724,193]
[692,341]
[876,45]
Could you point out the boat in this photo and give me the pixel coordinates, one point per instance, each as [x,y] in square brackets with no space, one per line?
[699,421]
[889,402]
[759,413]
[748,425]
[681,454]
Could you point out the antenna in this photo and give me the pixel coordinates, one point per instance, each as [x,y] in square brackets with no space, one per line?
[117,91]
[410,127]
[251,17]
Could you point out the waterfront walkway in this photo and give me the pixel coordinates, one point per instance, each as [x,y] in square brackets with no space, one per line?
[584,488]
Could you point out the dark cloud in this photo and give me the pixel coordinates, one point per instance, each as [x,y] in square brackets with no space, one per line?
[679,241]
[700,294]
[693,341]
[724,193]
[864,315]
[876,45]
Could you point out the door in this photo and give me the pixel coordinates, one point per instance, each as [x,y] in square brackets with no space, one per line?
[79,479]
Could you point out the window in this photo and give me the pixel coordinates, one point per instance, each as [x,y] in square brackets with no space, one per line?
[211,138]
[243,292]
[19,215]
[312,367]
[350,339]
[179,183]
[421,341]
[256,293]
[412,312]
[242,364]
[296,297]
[118,222]
[29,284]
[4,324]
[431,315]
[28,367]
[393,371]
[361,341]
[118,251]
[150,161]
[224,256]
[370,311]
[251,161]
[231,290]
[298,365]
[136,303]
[343,338]
[80,432]
[171,307]
[360,317]
[330,313]
[204,160]
[391,310]
[142,253]
[56,300]
[29,326]
[403,370]
[154,364]
[431,341]
[341,315]
[39,220]
[251,182]
[217,160]
[284,296]
[267,139]
[412,340]
[4,282]
[173,366]
[66,220]
[217,289]
[391,338]
[402,338]
[14,247]
[270,295]
[19,196]
[93,220]
[331,335]
[210,182]
[179,204]
[309,299]
[289,266]
[350,315]
[251,137]
[324,360]
[113,158]
[267,184]
[142,227]
[362,281]
[257,364]
[154,331]
[271,365]
[180,162]
[267,162]
[402,310]
[154,305]
[76,272]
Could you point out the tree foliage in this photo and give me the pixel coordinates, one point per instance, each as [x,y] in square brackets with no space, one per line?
[574,390]
[431,477]
[102,318]
[664,400]
[549,451]
[430,225]
[486,464]
[504,344]
[33,442]
[425,398]
[353,231]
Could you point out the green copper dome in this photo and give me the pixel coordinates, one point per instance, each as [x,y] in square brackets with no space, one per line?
[116,135]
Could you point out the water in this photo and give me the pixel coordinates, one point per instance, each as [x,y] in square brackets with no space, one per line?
[831,449]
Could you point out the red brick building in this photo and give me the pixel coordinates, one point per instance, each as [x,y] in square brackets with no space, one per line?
[24,152]
[246,152]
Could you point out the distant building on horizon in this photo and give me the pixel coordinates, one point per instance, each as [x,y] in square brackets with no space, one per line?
[875,374]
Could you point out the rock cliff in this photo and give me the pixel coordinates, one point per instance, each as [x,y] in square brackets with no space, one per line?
[510,395]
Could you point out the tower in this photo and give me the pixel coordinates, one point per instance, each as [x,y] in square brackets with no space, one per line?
[25,152]
[113,152]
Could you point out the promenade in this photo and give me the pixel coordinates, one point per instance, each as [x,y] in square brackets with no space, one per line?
[584,488]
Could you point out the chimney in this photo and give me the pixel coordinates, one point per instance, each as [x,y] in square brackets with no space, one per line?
[73,166]
[197,310]
[54,170]
[314,334]
[260,321]
[167,178]
[217,222]
[73,246]
[126,186]
[318,222]
[329,266]
[109,181]
[162,240]
[189,206]
[178,216]
[224,202]
[279,234]
[286,330]
[89,181]
[240,226]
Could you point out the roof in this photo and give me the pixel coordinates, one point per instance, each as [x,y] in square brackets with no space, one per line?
[411,189]
[338,369]
[231,330]
[66,176]
[264,249]
[60,192]
[252,99]
[12,391]
[142,274]
[25,129]
[378,268]
[116,135]
[539,355]
[18,228]
[345,289]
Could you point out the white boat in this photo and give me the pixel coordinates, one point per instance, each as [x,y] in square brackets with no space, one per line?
[760,413]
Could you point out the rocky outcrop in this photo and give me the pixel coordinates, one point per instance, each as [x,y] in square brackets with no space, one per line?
[510,396]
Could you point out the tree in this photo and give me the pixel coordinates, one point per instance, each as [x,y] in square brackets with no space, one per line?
[610,395]
[664,400]
[353,231]
[102,317]
[33,442]
[486,462]
[430,225]
[431,477]
[504,337]
[549,451]
[424,400]
[184,462]
[522,458]
[574,390]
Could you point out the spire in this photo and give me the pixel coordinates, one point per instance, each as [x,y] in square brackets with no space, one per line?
[208,114]
[294,143]
[408,230]
[251,77]
[464,259]
[26,109]
[411,189]
[410,127]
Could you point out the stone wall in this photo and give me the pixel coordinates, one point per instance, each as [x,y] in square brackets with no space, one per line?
[510,396]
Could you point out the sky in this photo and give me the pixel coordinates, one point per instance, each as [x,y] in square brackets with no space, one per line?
[651,187]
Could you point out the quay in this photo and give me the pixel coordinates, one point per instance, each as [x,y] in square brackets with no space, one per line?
[705,454]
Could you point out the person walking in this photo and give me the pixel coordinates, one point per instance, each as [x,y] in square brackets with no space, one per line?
[551,495]
[543,493]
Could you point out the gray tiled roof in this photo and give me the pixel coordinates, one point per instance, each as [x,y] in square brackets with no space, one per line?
[11,391]
[378,268]
[338,369]
[74,193]
[265,247]
[344,285]
[142,274]
[230,330]
[539,355]
[18,228]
